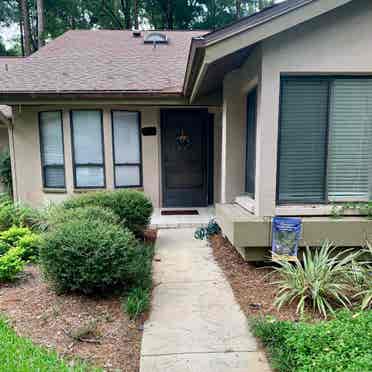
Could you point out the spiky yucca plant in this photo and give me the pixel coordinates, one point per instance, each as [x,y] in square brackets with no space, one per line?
[321,281]
[364,281]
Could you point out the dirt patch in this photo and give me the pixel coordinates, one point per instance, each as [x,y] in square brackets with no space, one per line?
[252,287]
[94,329]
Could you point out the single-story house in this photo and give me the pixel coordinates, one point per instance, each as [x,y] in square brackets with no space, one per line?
[271,115]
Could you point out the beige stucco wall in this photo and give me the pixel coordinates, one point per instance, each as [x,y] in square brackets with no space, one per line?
[336,43]
[27,160]
[236,85]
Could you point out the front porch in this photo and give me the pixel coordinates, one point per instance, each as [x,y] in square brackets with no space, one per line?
[179,220]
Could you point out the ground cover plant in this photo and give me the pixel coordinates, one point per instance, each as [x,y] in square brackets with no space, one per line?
[20,354]
[343,343]
[18,246]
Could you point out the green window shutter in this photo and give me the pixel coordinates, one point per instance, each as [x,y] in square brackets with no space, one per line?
[302,140]
[350,128]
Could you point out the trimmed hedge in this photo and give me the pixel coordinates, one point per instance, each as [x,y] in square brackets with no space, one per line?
[341,344]
[60,215]
[91,255]
[133,207]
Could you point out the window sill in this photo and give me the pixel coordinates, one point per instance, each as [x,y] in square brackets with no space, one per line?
[310,210]
[49,190]
[88,189]
[246,202]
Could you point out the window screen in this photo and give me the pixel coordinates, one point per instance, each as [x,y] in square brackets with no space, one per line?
[87,138]
[127,148]
[350,128]
[250,172]
[51,145]
[302,140]
[325,140]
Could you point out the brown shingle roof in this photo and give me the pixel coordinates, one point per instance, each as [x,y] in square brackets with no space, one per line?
[101,61]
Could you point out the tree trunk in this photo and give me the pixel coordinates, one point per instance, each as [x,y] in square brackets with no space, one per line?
[238,5]
[21,34]
[40,23]
[135,14]
[26,27]
[169,15]
[125,7]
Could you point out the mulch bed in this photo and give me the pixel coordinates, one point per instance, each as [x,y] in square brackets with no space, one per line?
[94,329]
[253,288]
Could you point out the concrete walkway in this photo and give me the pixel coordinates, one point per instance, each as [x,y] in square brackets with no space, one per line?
[195,323]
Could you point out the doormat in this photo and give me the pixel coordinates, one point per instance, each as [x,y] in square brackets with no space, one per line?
[177,212]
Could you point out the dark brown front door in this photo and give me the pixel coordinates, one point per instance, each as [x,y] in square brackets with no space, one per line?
[184,157]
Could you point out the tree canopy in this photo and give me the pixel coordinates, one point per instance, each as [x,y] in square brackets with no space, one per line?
[46,19]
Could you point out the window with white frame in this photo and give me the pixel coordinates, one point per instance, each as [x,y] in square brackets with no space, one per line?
[88,151]
[325,140]
[51,147]
[126,148]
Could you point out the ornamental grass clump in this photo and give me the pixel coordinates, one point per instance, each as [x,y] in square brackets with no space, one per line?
[322,281]
[363,278]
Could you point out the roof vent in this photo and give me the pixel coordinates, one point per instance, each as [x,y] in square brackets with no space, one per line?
[136,33]
[156,38]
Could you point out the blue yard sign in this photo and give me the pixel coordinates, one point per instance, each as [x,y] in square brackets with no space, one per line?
[286,234]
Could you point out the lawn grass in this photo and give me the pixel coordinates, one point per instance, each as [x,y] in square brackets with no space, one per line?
[340,344]
[18,354]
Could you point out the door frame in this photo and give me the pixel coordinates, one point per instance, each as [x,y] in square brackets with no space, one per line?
[208,175]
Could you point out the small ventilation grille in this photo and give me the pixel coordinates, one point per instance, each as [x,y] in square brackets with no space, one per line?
[156,38]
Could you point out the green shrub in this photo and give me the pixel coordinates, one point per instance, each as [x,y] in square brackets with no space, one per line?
[11,264]
[59,215]
[89,256]
[23,238]
[30,244]
[321,281]
[132,206]
[15,214]
[13,235]
[341,344]
[137,302]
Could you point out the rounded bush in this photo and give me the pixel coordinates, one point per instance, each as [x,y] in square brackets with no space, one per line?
[89,256]
[131,206]
[61,215]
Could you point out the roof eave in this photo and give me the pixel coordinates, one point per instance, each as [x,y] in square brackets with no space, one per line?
[212,40]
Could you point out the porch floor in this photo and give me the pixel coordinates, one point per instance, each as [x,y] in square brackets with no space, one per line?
[159,221]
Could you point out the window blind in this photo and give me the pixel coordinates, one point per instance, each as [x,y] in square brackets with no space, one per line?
[88,148]
[250,172]
[127,148]
[302,140]
[350,132]
[51,145]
